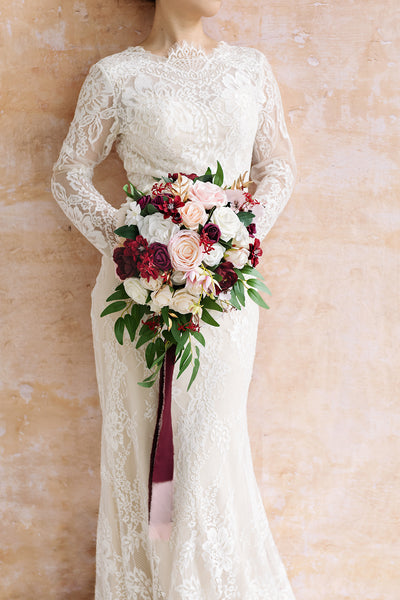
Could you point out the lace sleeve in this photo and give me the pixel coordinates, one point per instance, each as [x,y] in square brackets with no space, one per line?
[89,140]
[273,164]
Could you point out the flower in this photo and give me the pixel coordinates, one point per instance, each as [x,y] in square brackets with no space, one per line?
[227,221]
[157,229]
[185,250]
[242,237]
[178,277]
[193,214]
[174,176]
[127,257]
[255,252]
[229,277]
[151,284]
[208,194]
[144,201]
[133,216]
[135,290]
[236,197]
[214,256]
[183,301]
[212,231]
[160,256]
[169,206]
[160,298]
[237,256]
[198,281]
[252,229]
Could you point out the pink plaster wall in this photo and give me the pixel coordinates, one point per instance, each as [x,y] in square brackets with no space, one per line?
[323,408]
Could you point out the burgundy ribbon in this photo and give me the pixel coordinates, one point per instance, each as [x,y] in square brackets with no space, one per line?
[162,455]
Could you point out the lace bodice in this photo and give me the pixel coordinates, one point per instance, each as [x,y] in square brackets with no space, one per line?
[180,112]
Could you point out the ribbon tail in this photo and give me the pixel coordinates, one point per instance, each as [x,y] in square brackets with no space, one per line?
[162,457]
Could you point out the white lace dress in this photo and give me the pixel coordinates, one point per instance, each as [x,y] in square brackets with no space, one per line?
[182,112]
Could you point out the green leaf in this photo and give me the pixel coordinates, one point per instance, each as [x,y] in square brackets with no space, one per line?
[147,384]
[118,295]
[239,274]
[256,283]
[127,231]
[246,217]
[199,337]
[131,326]
[234,301]
[168,336]
[112,308]
[132,192]
[207,318]
[209,303]
[119,327]
[208,176]
[252,271]
[254,295]
[149,209]
[227,244]
[160,347]
[182,341]
[145,336]
[239,291]
[150,353]
[186,353]
[165,314]
[194,372]
[174,330]
[219,175]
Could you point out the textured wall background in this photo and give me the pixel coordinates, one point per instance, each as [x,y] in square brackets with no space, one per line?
[323,408]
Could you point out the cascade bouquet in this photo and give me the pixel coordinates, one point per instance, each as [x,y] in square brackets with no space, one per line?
[190,249]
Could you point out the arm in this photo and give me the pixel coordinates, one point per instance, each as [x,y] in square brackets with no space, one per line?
[273,164]
[89,140]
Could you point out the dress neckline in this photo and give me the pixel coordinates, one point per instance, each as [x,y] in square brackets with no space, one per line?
[181,49]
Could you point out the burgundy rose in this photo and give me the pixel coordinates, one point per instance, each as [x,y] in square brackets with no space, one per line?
[229,277]
[160,255]
[144,201]
[212,231]
[127,256]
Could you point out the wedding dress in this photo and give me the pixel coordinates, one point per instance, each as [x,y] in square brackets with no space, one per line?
[180,112]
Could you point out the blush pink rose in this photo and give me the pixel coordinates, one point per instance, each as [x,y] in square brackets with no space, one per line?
[208,194]
[193,214]
[185,250]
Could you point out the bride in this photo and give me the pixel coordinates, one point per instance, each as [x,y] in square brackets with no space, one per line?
[180,101]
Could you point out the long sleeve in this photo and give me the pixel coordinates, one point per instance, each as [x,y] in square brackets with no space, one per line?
[273,164]
[89,140]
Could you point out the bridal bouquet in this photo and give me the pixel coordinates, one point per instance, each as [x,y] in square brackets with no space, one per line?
[190,250]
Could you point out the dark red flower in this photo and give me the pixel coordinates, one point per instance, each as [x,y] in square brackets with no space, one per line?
[229,277]
[168,205]
[144,201]
[160,255]
[255,252]
[174,176]
[213,231]
[252,229]
[130,256]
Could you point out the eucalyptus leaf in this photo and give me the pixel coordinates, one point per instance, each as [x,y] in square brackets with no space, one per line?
[199,337]
[118,295]
[256,283]
[207,318]
[194,372]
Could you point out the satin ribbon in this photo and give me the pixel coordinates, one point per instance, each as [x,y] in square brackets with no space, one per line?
[162,457]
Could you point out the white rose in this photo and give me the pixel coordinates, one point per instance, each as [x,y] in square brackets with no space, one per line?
[227,221]
[183,301]
[160,298]
[152,284]
[237,256]
[133,216]
[214,256]
[178,277]
[157,229]
[242,237]
[135,290]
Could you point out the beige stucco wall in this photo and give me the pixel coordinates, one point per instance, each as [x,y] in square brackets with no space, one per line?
[323,408]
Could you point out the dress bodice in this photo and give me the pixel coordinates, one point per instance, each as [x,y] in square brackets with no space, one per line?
[180,112]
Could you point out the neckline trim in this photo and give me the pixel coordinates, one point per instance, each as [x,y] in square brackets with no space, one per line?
[181,50]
